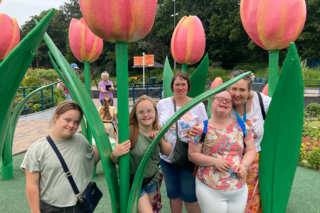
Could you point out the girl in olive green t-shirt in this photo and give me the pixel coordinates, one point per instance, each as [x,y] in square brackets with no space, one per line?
[144,126]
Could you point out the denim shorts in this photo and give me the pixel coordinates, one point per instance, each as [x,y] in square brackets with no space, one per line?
[149,189]
[47,208]
[179,182]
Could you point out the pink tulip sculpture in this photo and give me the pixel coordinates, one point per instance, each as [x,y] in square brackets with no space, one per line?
[85,45]
[9,35]
[265,90]
[188,41]
[273,25]
[121,21]
[217,81]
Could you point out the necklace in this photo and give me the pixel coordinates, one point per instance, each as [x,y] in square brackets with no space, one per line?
[244,113]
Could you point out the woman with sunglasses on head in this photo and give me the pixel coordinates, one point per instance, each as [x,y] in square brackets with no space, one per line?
[180,183]
[47,187]
[144,127]
[223,154]
[248,107]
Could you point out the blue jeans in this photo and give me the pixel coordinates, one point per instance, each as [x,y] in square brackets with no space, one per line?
[68,97]
[179,182]
[149,189]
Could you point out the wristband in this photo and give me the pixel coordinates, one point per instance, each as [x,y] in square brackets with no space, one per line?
[245,166]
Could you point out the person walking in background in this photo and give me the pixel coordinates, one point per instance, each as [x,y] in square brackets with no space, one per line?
[68,96]
[180,183]
[106,87]
[223,155]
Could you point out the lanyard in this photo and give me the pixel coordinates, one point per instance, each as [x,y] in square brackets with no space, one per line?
[244,113]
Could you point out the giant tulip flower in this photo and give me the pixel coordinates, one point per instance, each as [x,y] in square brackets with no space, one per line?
[119,20]
[188,41]
[217,81]
[273,24]
[9,35]
[84,45]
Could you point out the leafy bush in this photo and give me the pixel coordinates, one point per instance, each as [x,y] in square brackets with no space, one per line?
[303,152]
[31,81]
[314,158]
[37,109]
[313,109]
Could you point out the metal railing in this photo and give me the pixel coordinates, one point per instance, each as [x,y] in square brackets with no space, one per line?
[153,91]
[312,88]
[41,100]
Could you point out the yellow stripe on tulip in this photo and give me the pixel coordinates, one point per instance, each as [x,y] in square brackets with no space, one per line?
[190,39]
[217,81]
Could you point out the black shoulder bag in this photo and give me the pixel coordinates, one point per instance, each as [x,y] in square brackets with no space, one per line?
[180,157]
[263,112]
[91,196]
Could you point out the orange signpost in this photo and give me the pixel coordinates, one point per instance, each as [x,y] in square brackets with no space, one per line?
[138,60]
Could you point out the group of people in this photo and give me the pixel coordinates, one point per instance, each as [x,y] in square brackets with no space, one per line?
[225,149]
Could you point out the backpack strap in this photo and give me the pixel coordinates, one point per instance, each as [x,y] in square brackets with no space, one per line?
[243,128]
[205,129]
[261,106]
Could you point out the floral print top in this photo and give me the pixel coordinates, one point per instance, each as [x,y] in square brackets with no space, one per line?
[227,144]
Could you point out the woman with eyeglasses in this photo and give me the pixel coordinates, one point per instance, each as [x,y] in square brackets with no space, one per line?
[248,107]
[180,183]
[144,126]
[223,154]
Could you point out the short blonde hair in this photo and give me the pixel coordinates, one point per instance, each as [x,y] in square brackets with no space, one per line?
[104,73]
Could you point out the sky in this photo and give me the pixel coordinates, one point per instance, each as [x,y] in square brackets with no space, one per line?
[23,9]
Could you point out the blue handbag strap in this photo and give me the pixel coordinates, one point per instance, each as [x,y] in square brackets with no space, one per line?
[64,166]
[205,129]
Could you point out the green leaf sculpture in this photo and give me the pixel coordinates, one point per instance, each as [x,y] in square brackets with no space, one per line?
[6,165]
[199,78]
[167,77]
[99,133]
[13,69]
[137,182]
[280,146]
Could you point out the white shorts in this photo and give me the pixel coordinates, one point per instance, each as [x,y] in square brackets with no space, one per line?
[211,200]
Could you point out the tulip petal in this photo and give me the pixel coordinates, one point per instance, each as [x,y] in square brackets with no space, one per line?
[265,90]
[9,36]
[188,41]
[93,44]
[145,12]
[111,20]
[272,24]
[77,39]
[217,81]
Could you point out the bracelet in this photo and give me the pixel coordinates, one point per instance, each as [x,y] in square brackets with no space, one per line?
[211,165]
[245,166]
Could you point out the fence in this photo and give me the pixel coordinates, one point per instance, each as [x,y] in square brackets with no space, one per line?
[154,91]
[42,98]
[312,87]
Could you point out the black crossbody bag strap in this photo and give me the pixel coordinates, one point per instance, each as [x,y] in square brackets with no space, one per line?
[64,166]
[261,106]
[174,103]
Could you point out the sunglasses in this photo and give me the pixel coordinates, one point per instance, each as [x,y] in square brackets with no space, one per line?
[238,72]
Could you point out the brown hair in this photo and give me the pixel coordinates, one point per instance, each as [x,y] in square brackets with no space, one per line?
[104,110]
[65,106]
[182,75]
[247,78]
[133,120]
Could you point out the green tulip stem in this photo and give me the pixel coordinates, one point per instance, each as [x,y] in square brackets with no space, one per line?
[0,61]
[123,107]
[184,68]
[273,71]
[88,88]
